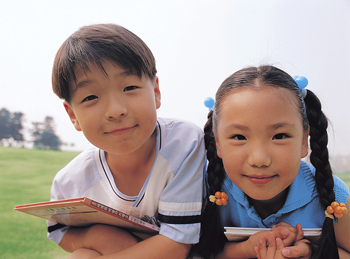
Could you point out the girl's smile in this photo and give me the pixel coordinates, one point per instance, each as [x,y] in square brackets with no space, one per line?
[260,179]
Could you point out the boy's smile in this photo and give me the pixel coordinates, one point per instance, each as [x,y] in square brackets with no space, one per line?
[260,139]
[115,110]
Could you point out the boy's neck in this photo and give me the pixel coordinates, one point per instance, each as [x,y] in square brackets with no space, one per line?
[266,208]
[130,171]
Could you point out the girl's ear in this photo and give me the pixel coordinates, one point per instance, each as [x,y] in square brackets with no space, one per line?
[305,144]
[72,116]
[218,150]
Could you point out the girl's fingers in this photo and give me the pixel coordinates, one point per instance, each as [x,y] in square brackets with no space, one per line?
[301,249]
[300,232]
[271,246]
[257,252]
[262,247]
[279,244]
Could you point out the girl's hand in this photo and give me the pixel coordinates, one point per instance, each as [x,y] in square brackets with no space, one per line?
[281,231]
[270,248]
[295,234]
[301,250]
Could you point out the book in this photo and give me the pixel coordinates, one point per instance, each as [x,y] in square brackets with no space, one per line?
[79,212]
[241,234]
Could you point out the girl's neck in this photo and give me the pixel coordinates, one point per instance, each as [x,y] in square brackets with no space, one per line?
[265,208]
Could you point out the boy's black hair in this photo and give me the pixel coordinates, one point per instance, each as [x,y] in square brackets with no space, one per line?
[212,237]
[96,44]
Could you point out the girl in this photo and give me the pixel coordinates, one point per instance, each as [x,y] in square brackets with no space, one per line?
[255,138]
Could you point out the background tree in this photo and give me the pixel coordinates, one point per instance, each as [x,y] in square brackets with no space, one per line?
[44,134]
[5,118]
[11,127]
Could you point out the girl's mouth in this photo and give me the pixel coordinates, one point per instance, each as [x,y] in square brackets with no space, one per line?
[260,179]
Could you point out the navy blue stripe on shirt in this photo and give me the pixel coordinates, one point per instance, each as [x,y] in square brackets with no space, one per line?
[55,227]
[179,219]
[104,170]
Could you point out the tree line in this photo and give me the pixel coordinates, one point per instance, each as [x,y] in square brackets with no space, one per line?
[42,134]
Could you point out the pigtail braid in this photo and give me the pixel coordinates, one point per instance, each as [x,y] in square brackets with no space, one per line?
[326,245]
[212,239]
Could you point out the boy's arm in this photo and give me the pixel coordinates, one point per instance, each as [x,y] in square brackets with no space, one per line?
[73,239]
[154,247]
[104,239]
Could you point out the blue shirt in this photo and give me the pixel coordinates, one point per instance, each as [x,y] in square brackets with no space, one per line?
[302,204]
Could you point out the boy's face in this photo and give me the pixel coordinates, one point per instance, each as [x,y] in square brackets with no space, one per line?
[117,112]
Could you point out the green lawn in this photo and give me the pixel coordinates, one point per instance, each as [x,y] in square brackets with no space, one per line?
[345,177]
[25,177]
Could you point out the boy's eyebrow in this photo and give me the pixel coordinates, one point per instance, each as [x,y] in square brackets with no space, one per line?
[79,85]
[86,82]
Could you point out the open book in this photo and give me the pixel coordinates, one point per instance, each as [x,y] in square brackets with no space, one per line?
[240,234]
[84,212]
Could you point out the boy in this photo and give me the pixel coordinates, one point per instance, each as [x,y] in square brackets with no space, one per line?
[142,165]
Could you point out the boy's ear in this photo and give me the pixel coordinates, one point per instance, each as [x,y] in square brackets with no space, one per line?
[305,144]
[72,116]
[157,94]
[218,149]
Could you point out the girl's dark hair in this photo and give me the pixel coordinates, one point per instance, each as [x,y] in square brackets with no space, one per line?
[212,238]
[96,44]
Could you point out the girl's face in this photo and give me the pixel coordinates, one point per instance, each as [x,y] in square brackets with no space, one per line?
[261,140]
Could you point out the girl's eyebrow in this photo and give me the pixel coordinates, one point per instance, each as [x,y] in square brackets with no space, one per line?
[237,126]
[273,126]
[281,125]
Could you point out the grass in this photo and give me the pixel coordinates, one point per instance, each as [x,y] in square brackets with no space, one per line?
[25,177]
[345,177]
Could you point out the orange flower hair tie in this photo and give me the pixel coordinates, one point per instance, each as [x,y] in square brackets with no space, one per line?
[336,210]
[220,198]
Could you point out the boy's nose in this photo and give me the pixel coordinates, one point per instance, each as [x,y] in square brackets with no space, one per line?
[259,156]
[115,108]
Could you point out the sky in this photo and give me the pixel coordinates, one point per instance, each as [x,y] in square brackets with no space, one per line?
[196,43]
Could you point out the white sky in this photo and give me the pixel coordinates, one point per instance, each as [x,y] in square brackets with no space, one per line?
[196,43]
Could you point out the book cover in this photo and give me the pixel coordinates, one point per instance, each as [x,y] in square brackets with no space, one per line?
[240,234]
[83,212]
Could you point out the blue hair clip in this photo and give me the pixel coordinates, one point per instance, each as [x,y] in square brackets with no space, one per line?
[209,103]
[302,82]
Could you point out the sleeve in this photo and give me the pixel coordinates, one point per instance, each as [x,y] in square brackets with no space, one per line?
[181,200]
[341,190]
[72,181]
[56,231]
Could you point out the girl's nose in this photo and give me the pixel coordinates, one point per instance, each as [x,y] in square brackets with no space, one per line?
[259,156]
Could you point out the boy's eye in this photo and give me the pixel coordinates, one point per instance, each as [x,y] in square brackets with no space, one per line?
[129,88]
[238,137]
[89,98]
[281,136]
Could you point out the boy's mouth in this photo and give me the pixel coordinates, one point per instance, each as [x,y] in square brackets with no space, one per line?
[121,131]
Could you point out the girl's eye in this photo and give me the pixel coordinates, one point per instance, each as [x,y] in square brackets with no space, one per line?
[238,137]
[130,88]
[89,98]
[281,136]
